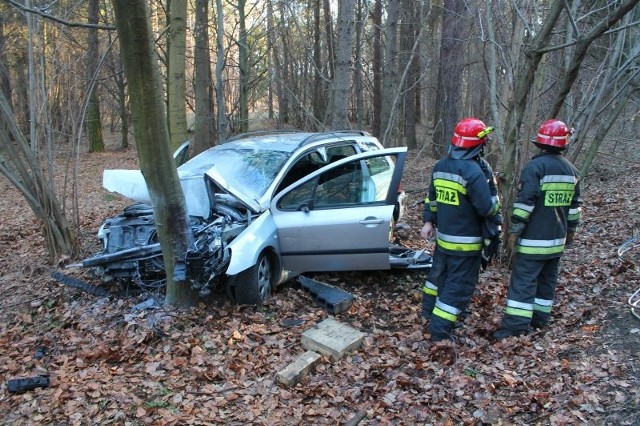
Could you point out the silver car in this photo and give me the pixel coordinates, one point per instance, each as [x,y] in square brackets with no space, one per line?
[265,207]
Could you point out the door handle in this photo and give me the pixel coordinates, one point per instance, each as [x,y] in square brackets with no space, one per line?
[371,221]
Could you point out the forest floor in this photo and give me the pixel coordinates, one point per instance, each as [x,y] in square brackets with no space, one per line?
[216,364]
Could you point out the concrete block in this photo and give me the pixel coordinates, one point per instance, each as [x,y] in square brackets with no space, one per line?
[294,372]
[332,338]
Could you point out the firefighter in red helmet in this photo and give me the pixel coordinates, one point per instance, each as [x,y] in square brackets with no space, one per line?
[543,221]
[460,211]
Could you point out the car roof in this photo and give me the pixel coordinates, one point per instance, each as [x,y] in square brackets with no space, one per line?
[289,141]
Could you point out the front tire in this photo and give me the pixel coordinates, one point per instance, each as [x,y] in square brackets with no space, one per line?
[254,285]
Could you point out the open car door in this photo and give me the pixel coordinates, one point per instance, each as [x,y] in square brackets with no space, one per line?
[340,217]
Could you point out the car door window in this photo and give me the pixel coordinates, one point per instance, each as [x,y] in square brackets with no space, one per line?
[311,162]
[355,183]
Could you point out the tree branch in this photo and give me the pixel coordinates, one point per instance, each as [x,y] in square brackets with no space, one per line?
[23,8]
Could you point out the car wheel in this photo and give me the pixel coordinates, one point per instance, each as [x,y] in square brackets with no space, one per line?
[253,286]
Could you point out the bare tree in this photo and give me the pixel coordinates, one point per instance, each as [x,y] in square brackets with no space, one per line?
[176,90]
[377,68]
[220,63]
[152,140]
[390,71]
[93,120]
[203,137]
[243,68]
[342,80]
[319,81]
[448,106]
[21,165]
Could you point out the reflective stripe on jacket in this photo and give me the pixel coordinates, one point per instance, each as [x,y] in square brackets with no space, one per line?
[547,206]
[460,196]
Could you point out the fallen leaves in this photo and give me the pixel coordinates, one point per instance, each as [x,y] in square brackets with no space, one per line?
[216,364]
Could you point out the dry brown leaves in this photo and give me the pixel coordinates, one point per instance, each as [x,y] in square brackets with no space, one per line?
[216,364]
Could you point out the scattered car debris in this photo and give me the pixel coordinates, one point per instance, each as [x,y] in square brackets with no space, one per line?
[333,299]
[79,284]
[27,384]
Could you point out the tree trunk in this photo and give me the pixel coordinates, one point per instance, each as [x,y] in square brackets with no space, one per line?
[94,121]
[357,69]
[152,139]
[377,68]
[176,90]
[390,72]
[408,36]
[222,109]
[342,81]
[492,70]
[283,95]
[5,76]
[448,107]
[328,29]
[203,136]
[318,81]
[243,67]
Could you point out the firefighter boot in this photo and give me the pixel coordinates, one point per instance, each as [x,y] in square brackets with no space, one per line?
[441,329]
[540,320]
[503,333]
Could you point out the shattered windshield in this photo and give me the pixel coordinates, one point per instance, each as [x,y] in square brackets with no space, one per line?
[246,169]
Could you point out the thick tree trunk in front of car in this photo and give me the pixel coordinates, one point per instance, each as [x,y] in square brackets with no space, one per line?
[152,140]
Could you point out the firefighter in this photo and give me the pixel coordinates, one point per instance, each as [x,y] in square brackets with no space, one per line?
[543,222]
[459,200]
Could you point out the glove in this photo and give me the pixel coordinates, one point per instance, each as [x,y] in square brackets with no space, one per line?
[569,239]
[490,250]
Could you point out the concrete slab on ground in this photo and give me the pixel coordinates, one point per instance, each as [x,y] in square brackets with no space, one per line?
[294,372]
[332,338]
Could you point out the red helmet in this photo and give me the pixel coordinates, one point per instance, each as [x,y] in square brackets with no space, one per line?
[554,133]
[469,133]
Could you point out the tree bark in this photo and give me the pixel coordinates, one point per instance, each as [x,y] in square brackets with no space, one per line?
[448,107]
[94,120]
[5,76]
[342,80]
[152,140]
[357,69]
[318,81]
[243,67]
[220,62]
[176,90]
[390,72]
[408,36]
[203,136]
[377,68]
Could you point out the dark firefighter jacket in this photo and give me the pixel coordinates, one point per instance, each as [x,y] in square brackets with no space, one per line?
[458,201]
[547,206]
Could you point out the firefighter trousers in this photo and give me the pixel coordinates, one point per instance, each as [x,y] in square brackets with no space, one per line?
[455,288]
[434,281]
[531,291]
